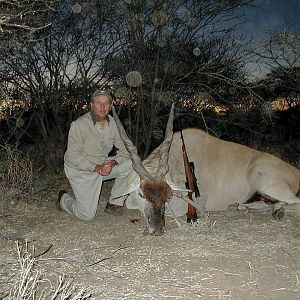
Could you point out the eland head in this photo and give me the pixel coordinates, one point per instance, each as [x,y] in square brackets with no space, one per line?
[154,190]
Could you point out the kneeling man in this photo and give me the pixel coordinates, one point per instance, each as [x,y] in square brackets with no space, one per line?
[87,161]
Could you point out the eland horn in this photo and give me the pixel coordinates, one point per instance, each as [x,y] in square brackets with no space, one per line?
[165,147]
[136,161]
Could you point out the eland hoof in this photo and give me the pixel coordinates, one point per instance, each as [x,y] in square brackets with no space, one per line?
[279,213]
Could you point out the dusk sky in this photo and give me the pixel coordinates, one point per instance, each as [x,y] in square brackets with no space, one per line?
[270,16]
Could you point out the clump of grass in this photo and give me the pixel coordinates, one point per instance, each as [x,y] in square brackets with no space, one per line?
[16,174]
[30,282]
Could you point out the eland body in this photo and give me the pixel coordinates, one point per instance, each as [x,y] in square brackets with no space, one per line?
[227,173]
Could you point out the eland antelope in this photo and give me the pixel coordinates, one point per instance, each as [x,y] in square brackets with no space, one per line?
[227,173]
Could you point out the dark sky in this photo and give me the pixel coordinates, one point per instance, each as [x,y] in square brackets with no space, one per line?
[270,16]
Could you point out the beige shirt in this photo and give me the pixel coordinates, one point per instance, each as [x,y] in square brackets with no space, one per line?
[89,143]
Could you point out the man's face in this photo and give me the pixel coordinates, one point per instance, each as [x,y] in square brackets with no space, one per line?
[101,106]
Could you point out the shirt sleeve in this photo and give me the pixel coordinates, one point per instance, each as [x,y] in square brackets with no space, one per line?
[75,153]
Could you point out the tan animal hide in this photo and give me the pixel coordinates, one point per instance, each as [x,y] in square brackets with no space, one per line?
[226,173]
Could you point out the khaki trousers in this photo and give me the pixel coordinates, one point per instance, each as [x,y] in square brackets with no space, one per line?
[86,186]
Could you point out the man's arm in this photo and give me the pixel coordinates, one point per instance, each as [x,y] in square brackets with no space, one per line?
[74,153]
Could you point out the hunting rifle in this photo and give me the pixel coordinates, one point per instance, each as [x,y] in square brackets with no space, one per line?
[191,183]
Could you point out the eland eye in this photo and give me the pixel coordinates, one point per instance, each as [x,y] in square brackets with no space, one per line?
[141,195]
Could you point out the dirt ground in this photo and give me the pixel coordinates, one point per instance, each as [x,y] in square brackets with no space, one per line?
[227,255]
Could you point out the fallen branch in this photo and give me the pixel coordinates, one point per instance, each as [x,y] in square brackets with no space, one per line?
[106,258]
[44,252]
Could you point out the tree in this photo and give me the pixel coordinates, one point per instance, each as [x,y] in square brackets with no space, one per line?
[57,72]
[20,20]
[151,52]
[284,83]
[176,51]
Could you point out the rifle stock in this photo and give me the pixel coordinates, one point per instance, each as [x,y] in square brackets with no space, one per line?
[190,183]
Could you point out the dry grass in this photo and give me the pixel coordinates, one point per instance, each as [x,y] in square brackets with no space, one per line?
[16,174]
[31,283]
[226,255]
[233,254]
[27,278]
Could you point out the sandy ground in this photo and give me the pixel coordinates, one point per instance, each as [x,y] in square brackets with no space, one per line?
[228,255]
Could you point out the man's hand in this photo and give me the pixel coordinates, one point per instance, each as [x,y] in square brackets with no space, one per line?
[106,167]
[113,162]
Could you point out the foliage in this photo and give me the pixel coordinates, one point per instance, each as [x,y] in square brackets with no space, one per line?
[150,53]
[22,20]
[284,82]
[281,56]
[16,174]
[182,50]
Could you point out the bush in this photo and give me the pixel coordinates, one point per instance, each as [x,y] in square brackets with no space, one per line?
[16,174]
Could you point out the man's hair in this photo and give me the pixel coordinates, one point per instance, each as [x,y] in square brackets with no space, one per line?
[101,93]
